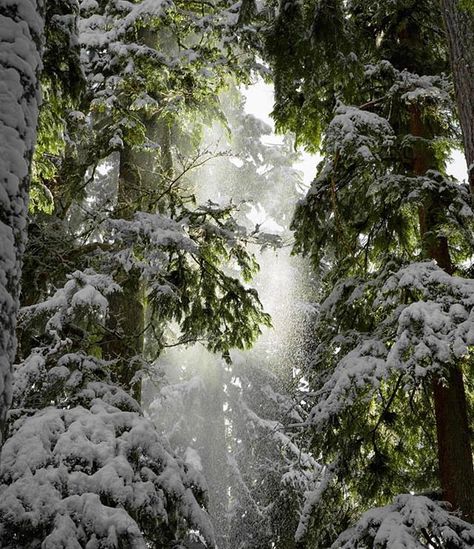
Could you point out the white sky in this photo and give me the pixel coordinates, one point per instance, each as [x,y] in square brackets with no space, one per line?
[260,103]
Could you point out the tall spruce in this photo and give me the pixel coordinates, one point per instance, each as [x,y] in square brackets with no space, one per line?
[372,80]
[113,231]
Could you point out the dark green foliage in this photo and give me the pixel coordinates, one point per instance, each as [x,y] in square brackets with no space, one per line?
[114,194]
[312,58]
[366,87]
[118,107]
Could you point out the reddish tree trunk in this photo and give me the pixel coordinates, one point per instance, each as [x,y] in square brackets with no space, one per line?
[456,472]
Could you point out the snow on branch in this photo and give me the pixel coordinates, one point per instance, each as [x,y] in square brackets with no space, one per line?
[87,474]
[410,522]
[359,133]
[425,323]
[85,291]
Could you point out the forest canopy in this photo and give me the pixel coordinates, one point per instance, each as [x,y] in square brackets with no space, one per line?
[198,349]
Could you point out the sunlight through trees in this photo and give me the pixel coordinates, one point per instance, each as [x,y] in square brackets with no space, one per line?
[204,346]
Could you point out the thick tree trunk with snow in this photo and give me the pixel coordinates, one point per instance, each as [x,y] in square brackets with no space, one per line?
[456,472]
[460,30]
[21,35]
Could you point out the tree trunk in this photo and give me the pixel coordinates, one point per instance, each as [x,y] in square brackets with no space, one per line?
[456,472]
[126,318]
[21,37]
[142,176]
[460,30]
[213,449]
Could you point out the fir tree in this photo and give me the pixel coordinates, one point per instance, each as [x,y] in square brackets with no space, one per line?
[380,207]
[138,243]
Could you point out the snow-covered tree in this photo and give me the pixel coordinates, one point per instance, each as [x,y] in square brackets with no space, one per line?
[410,521]
[139,115]
[367,84]
[353,432]
[113,231]
[82,467]
[21,41]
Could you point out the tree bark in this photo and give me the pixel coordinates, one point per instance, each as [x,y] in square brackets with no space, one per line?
[142,175]
[460,31]
[456,471]
[21,38]
[126,316]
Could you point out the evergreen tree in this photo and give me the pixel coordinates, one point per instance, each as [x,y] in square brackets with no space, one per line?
[81,466]
[370,78]
[363,416]
[21,42]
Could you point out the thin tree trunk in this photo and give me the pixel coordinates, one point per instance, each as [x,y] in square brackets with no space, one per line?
[141,173]
[456,472]
[214,450]
[460,30]
[21,37]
